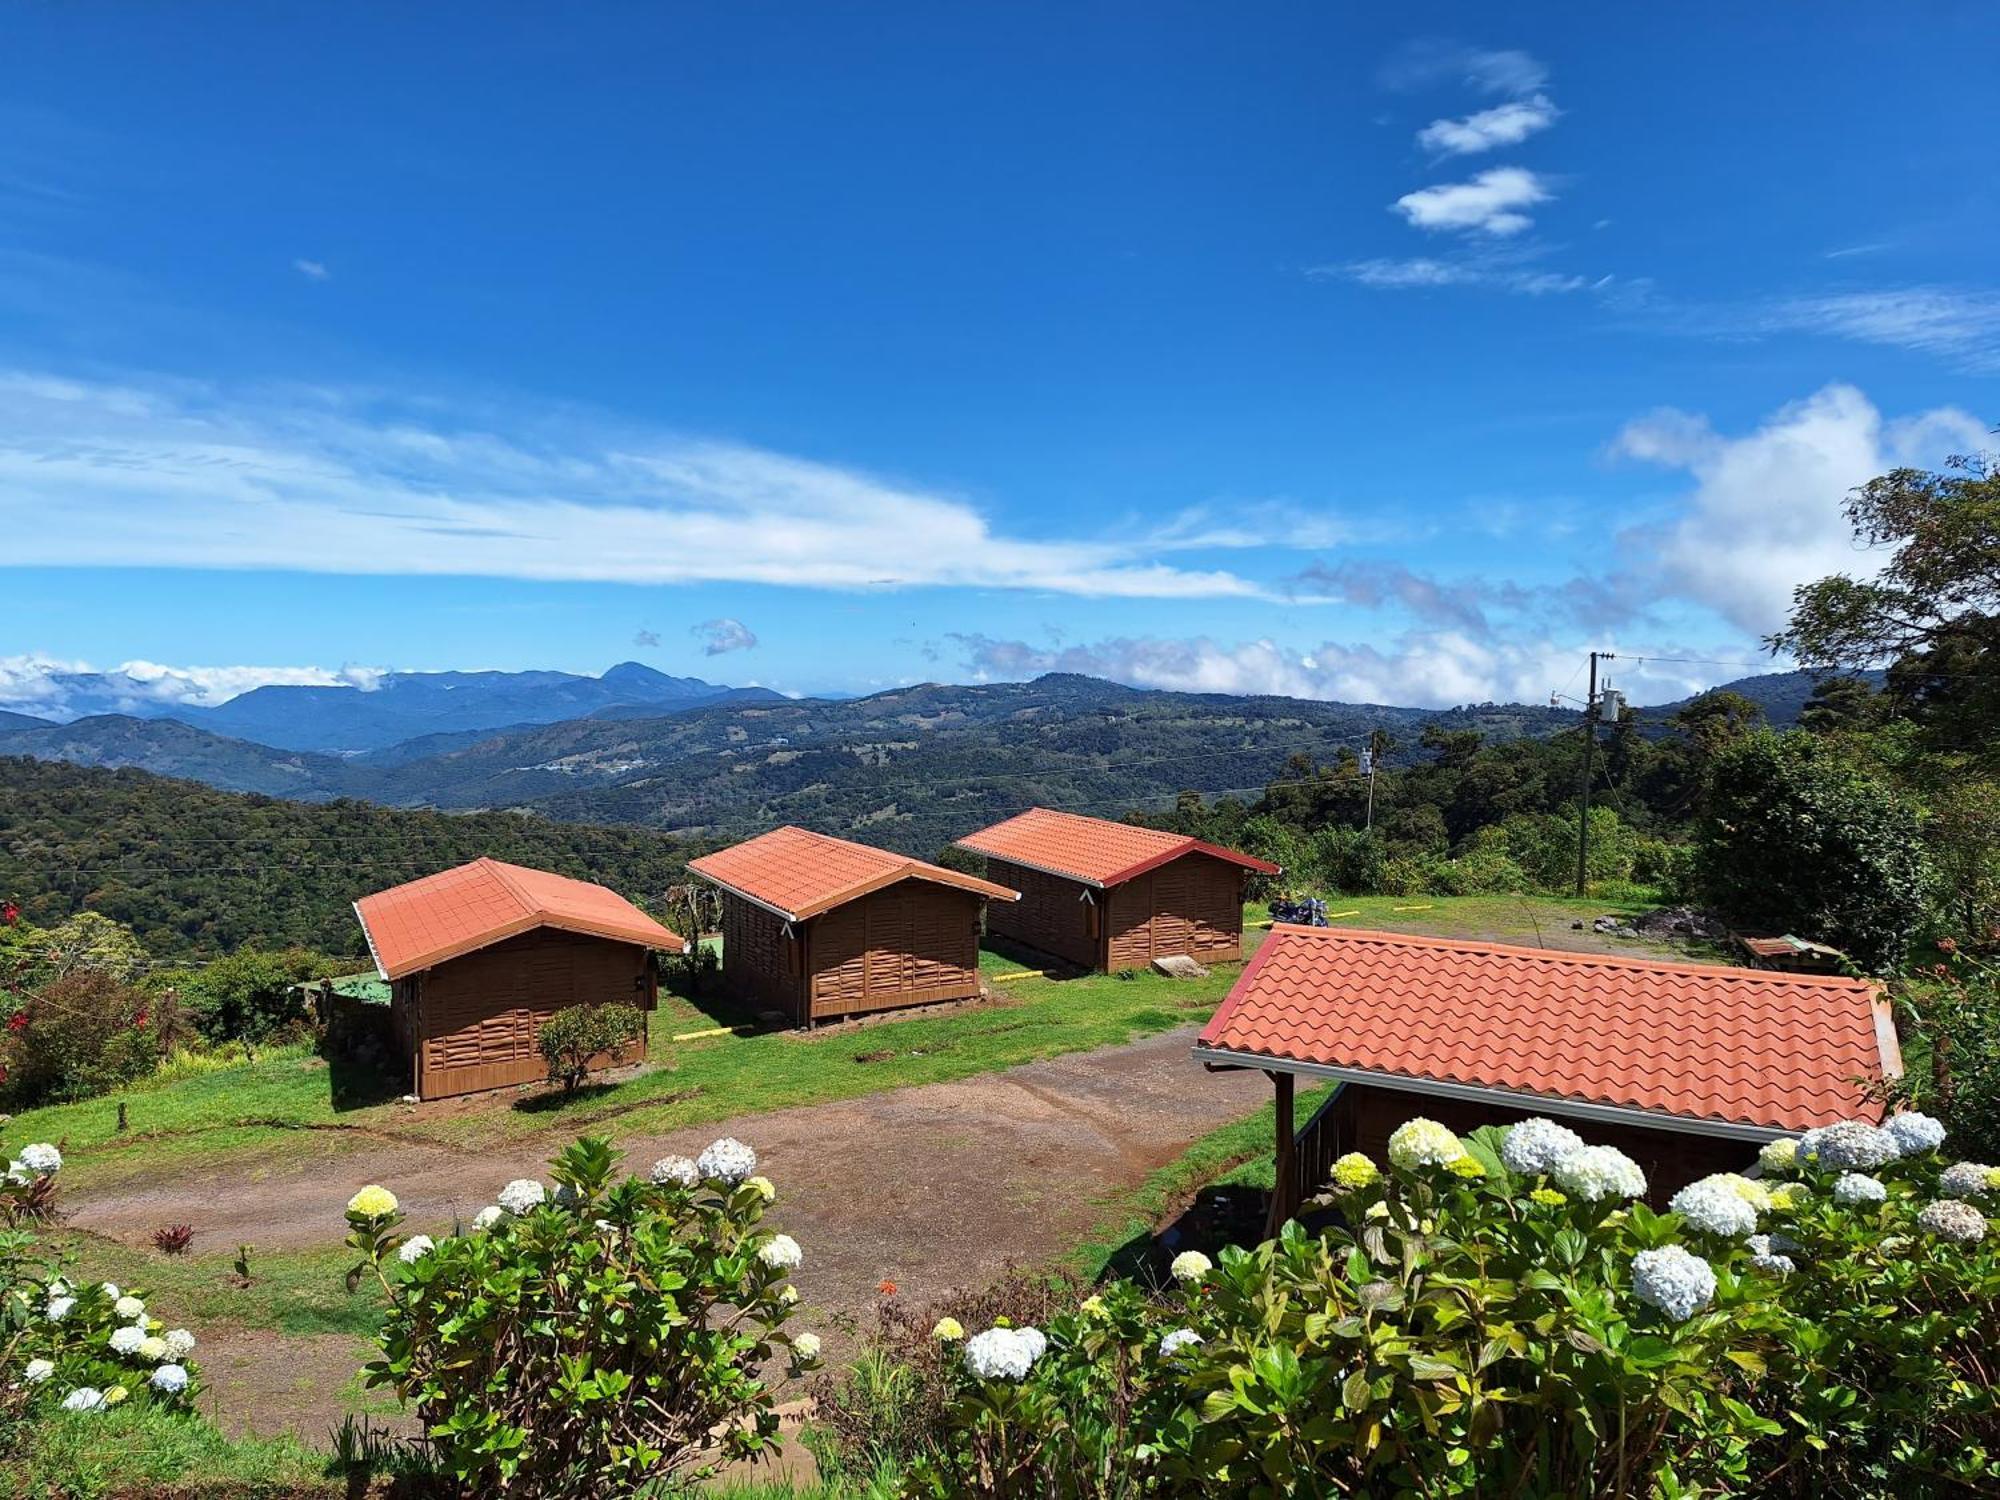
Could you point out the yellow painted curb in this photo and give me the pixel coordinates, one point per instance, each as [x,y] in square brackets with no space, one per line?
[1333,914]
[695,1036]
[1427,906]
[1018,975]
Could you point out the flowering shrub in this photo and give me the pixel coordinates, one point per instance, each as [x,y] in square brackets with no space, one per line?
[1498,1316]
[77,1345]
[574,1035]
[590,1340]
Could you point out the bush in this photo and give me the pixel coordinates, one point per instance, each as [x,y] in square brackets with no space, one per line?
[82,1033]
[1796,838]
[574,1035]
[583,1344]
[247,996]
[1347,859]
[1955,1012]
[1476,1329]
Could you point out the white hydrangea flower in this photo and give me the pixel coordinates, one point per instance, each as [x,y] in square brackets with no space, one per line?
[765,1188]
[523,1194]
[488,1216]
[42,1159]
[999,1354]
[415,1248]
[1191,1265]
[806,1347]
[1533,1147]
[1950,1219]
[1771,1244]
[129,1308]
[180,1343]
[84,1398]
[788,1294]
[1781,1155]
[1858,1187]
[125,1342]
[1672,1279]
[35,1371]
[1914,1133]
[1598,1172]
[781,1253]
[1966,1179]
[727,1160]
[1033,1340]
[1713,1206]
[675,1171]
[110,1289]
[1423,1143]
[153,1350]
[18,1173]
[1851,1145]
[1774,1265]
[1176,1341]
[172,1379]
[59,1307]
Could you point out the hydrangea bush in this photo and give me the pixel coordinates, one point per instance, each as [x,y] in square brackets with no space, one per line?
[70,1343]
[595,1339]
[1503,1315]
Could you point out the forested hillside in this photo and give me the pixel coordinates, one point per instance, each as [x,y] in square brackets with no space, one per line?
[196,871]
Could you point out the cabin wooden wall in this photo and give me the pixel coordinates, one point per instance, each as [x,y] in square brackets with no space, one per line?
[1051,916]
[1191,905]
[910,943]
[1671,1159]
[760,964]
[472,1022]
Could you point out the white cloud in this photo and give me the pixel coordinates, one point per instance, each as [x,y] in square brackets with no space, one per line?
[312,270]
[1503,125]
[1765,512]
[1504,71]
[50,687]
[1960,325]
[184,476]
[1424,669]
[724,635]
[1422,271]
[1489,203]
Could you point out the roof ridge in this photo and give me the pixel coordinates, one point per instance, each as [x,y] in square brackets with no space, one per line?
[501,873]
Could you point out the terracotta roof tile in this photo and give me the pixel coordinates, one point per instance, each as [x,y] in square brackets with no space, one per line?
[472,906]
[1744,1046]
[799,873]
[1093,850]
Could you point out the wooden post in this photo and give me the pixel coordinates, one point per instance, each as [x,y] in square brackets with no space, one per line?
[1285,1193]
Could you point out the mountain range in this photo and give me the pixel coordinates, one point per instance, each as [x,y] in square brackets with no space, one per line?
[912,767]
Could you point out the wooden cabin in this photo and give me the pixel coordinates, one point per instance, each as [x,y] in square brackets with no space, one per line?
[819,928]
[1687,1068]
[1109,896]
[479,956]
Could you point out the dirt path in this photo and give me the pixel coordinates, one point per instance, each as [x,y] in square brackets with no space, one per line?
[935,1188]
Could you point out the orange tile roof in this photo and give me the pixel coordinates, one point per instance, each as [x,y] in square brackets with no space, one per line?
[1728,1047]
[461,910]
[1094,850]
[799,874]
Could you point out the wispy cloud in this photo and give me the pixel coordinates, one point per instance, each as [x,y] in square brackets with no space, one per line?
[312,270]
[1489,129]
[50,687]
[646,638]
[1491,203]
[1505,71]
[1421,272]
[1960,325]
[719,637]
[153,473]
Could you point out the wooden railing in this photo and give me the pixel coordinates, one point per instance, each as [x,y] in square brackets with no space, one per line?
[1316,1146]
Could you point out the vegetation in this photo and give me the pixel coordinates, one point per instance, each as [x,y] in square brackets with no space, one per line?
[574,1035]
[613,1334]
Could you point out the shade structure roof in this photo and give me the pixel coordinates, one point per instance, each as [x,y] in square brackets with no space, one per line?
[1095,851]
[799,874]
[461,910]
[1742,1051]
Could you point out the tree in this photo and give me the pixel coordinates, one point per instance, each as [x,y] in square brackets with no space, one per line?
[1795,836]
[576,1034]
[1840,704]
[1933,611]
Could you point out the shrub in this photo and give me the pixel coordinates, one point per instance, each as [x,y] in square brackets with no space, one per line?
[173,1239]
[247,995]
[1500,1316]
[584,1343]
[574,1035]
[78,1034]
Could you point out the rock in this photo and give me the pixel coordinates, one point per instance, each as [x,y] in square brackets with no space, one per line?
[1179,966]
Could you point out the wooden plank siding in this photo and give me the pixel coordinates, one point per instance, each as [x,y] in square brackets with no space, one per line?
[912,943]
[761,964]
[471,1023]
[1192,905]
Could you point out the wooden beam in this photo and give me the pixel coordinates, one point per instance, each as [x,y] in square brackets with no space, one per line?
[1285,1193]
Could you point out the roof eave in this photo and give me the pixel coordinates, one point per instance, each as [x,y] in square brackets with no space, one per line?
[1557,1104]
[1029,864]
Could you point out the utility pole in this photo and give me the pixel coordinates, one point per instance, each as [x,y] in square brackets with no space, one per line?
[1590,707]
[1368,769]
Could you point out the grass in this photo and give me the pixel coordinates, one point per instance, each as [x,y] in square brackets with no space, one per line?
[294,1291]
[1506,918]
[136,1450]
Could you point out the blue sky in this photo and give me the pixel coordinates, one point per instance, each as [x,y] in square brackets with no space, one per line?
[1399,353]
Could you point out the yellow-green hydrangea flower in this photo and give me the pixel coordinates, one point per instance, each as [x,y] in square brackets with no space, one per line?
[1465,1166]
[372,1202]
[1993,1179]
[1423,1143]
[1355,1171]
[1754,1193]
[1787,1196]
[764,1186]
[115,1394]
[1092,1307]
[1781,1155]
[1548,1197]
[948,1330]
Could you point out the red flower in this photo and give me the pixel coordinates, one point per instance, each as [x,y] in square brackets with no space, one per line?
[18,1021]
[9,914]
[1947,945]
[139,1021]
[887,1289]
